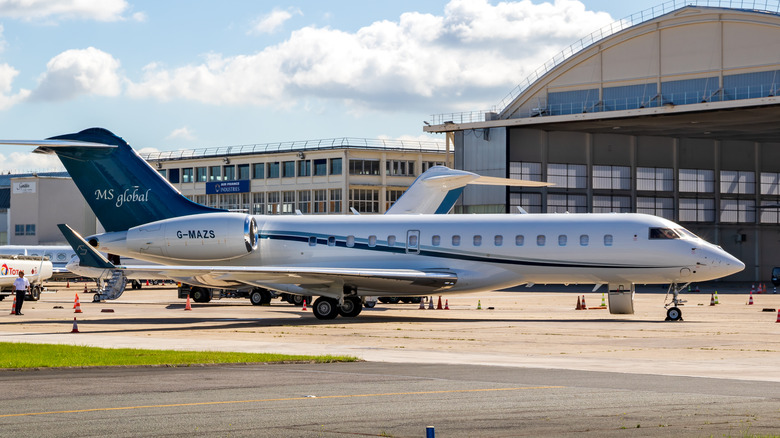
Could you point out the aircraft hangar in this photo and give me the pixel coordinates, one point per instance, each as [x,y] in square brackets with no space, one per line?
[672,112]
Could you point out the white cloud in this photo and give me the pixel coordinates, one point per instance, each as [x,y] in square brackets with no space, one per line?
[7,100]
[470,56]
[22,162]
[140,17]
[76,72]
[273,21]
[181,133]
[102,10]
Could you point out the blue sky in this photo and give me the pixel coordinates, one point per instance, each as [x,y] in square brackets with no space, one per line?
[179,74]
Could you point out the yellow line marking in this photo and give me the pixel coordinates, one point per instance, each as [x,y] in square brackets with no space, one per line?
[176,405]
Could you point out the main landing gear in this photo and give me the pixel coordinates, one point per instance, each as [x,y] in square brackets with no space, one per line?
[674,313]
[329,308]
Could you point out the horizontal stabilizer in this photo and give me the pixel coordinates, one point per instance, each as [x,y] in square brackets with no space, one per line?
[88,256]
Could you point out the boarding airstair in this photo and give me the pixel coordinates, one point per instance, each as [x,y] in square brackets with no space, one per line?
[112,288]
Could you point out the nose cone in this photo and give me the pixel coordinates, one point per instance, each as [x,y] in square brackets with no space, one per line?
[733,263]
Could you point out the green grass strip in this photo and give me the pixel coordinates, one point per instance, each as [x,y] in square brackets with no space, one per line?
[21,355]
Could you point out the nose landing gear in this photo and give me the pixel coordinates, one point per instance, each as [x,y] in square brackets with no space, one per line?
[674,313]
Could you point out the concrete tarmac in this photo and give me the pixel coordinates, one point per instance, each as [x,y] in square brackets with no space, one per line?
[715,373]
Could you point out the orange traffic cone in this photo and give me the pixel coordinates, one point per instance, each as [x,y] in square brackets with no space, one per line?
[188,306]
[85,289]
[304,305]
[579,304]
[67,285]
[584,307]
[13,307]
[712,300]
[438,306]
[446,304]
[750,301]
[422,304]
[77,305]
[147,282]
[75,326]
[778,315]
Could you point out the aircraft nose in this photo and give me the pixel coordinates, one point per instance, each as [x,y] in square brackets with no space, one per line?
[730,264]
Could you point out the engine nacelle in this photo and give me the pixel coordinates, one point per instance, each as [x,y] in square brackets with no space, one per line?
[202,237]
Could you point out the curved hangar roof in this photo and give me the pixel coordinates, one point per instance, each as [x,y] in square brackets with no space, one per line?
[675,66]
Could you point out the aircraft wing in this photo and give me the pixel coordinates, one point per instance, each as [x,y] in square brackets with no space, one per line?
[411,280]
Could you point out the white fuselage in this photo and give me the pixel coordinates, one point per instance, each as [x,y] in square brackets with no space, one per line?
[485,251]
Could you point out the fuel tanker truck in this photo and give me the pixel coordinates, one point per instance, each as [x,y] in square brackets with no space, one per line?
[36,270]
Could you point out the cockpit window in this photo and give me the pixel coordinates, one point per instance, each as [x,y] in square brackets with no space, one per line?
[686,233]
[663,233]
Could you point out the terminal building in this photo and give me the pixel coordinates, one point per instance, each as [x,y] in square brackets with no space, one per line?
[332,176]
[670,112]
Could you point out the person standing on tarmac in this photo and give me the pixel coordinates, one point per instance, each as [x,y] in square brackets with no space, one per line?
[20,285]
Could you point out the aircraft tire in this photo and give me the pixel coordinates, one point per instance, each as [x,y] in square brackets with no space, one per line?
[325,308]
[351,307]
[370,304]
[200,295]
[260,297]
[673,314]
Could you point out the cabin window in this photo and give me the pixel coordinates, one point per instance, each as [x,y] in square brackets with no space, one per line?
[477,240]
[584,240]
[498,240]
[663,233]
[312,240]
[519,240]
[562,239]
[456,240]
[350,241]
[436,240]
[607,240]
[541,240]
[331,241]
[371,241]
[390,240]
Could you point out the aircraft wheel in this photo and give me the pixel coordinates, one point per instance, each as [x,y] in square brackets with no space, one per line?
[260,297]
[200,295]
[351,307]
[325,308]
[673,314]
[370,304]
[96,298]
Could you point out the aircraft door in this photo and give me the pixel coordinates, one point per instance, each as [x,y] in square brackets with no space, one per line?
[413,242]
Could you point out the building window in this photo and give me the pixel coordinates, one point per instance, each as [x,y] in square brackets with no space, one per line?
[770,183]
[243,171]
[304,168]
[609,204]
[320,167]
[273,206]
[187,175]
[335,166]
[697,180]
[29,229]
[392,196]
[737,211]
[364,167]
[570,176]
[737,182]
[657,179]
[428,164]
[229,201]
[564,203]
[304,201]
[228,173]
[288,169]
[697,210]
[18,230]
[288,202]
[215,173]
[163,173]
[530,202]
[173,176]
[335,201]
[528,171]
[663,207]
[770,212]
[258,203]
[258,170]
[364,200]
[612,177]
[202,174]
[321,201]
[273,170]
[399,168]
[200,199]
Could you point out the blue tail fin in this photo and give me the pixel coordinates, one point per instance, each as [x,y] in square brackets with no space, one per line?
[121,188]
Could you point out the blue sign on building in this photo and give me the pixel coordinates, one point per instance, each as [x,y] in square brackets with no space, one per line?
[220,187]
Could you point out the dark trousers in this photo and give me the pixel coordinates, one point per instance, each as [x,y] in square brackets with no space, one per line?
[19,300]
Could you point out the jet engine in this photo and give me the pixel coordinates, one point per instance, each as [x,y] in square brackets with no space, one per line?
[202,237]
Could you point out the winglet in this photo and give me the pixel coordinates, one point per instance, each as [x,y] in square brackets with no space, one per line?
[88,256]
